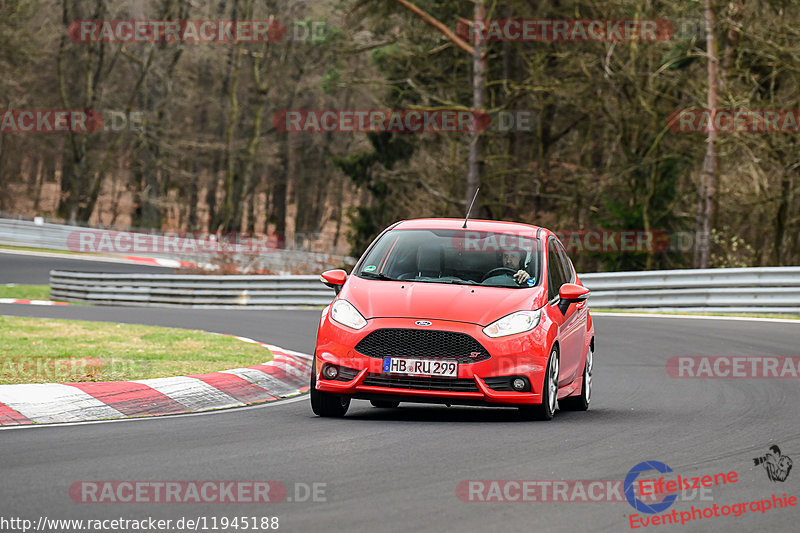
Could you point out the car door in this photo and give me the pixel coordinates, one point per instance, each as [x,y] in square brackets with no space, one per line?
[573,330]
[555,278]
[568,334]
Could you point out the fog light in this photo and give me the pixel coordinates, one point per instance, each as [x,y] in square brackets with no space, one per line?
[518,384]
[330,371]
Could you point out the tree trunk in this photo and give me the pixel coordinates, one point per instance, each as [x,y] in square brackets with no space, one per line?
[231,170]
[475,164]
[230,88]
[279,190]
[709,175]
[194,190]
[245,188]
[782,216]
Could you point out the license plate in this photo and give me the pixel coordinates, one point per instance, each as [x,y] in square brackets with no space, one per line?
[420,367]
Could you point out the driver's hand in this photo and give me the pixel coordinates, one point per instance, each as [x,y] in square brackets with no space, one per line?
[521,276]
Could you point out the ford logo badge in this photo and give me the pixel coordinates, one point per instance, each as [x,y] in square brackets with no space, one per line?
[422,323]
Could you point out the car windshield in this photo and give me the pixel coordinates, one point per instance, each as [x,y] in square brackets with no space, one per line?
[511,260]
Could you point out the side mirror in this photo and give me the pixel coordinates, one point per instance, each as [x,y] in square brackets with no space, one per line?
[569,293]
[334,279]
[573,292]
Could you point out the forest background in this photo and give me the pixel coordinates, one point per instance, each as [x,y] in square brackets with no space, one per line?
[579,139]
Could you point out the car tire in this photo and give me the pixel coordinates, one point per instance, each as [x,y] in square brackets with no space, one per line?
[326,404]
[581,402]
[547,409]
[384,404]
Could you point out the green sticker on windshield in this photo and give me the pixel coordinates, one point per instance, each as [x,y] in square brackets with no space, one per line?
[370,268]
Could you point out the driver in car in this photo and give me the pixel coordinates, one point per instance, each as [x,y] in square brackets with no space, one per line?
[513,260]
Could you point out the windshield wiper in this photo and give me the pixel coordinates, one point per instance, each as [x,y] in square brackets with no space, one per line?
[376,275]
[445,281]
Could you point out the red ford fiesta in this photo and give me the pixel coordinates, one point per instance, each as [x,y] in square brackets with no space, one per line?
[443,311]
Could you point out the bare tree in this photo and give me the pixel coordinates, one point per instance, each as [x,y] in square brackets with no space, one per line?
[476,142]
[709,176]
[475,164]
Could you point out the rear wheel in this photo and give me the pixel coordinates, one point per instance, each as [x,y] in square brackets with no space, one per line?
[384,404]
[581,402]
[547,409]
[324,403]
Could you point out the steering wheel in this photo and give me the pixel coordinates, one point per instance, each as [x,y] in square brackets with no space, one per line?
[497,270]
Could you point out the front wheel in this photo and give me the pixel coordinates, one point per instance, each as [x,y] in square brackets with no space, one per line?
[324,403]
[547,409]
[581,402]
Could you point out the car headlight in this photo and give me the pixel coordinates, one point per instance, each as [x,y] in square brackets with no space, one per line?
[343,312]
[514,323]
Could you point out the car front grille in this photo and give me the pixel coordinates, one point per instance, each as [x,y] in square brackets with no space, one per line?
[449,345]
[414,383]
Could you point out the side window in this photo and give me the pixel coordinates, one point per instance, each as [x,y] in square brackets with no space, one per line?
[555,274]
[566,264]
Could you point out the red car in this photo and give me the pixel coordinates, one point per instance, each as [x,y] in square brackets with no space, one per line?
[446,311]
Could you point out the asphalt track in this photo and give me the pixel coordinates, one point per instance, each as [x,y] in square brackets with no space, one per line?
[35,270]
[398,469]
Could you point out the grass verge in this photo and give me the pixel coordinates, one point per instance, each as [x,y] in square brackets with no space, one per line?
[41,350]
[25,292]
[697,313]
[36,249]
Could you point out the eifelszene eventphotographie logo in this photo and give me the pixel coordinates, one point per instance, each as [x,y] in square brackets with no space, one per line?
[777,465]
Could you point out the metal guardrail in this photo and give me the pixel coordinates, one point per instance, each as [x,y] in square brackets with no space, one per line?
[765,290]
[773,290]
[65,237]
[160,290]
[42,235]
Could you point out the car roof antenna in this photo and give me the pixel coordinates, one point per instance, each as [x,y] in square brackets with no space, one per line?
[470,208]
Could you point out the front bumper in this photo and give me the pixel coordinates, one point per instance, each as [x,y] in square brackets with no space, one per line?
[524,354]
